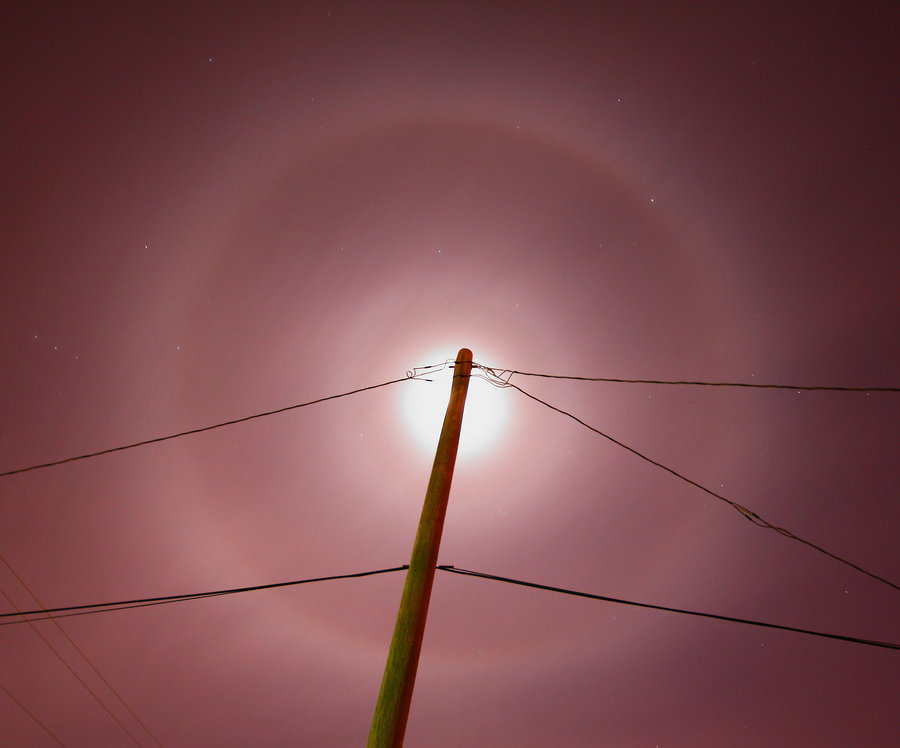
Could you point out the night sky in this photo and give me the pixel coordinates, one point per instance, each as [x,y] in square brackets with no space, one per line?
[214,210]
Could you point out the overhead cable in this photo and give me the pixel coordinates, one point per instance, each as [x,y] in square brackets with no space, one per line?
[564,591]
[84,656]
[74,610]
[75,674]
[125,604]
[415,374]
[506,374]
[31,714]
[748,513]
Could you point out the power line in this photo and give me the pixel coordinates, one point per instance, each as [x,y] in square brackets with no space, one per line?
[748,513]
[500,376]
[506,374]
[410,375]
[564,591]
[77,677]
[89,608]
[81,652]
[31,714]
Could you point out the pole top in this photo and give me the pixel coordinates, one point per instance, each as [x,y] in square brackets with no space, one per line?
[462,367]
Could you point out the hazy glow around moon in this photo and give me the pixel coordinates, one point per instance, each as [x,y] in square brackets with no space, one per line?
[425,403]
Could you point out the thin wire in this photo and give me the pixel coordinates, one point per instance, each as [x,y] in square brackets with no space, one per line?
[410,375]
[125,604]
[419,371]
[32,715]
[748,513]
[165,599]
[107,610]
[564,591]
[84,656]
[506,374]
[73,672]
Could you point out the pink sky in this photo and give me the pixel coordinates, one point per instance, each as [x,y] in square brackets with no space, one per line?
[212,210]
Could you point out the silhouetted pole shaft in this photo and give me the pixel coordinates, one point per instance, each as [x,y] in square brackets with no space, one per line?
[389,722]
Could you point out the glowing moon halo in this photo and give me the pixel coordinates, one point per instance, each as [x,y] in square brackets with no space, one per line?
[425,403]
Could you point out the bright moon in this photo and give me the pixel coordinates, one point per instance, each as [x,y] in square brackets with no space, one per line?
[484,418]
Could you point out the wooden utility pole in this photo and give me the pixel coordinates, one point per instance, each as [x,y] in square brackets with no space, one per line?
[392,709]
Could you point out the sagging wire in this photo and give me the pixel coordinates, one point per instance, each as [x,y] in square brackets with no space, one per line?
[417,373]
[506,375]
[747,513]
